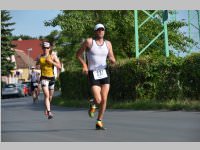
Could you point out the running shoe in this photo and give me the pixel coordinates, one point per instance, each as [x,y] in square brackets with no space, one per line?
[50,116]
[92,109]
[99,125]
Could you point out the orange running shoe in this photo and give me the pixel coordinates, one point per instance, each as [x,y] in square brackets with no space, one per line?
[99,125]
[92,109]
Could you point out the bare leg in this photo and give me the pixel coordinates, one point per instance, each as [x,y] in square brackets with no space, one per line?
[100,97]
[50,99]
[38,89]
[104,94]
[96,91]
[46,98]
[33,95]
[51,95]
[36,93]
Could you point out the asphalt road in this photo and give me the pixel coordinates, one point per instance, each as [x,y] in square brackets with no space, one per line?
[23,121]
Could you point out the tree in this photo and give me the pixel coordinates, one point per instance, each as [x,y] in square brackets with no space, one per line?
[6,37]
[23,37]
[52,37]
[78,24]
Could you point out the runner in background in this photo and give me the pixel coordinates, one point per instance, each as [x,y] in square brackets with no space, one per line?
[47,61]
[34,77]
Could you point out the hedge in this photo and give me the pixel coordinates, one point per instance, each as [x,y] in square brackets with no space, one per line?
[146,79]
[190,76]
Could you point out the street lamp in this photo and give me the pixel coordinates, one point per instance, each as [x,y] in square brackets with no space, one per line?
[29,49]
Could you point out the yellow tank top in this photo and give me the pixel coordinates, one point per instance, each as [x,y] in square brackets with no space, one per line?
[46,68]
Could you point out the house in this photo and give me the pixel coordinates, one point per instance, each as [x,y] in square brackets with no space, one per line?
[31,48]
[23,63]
[26,52]
[25,57]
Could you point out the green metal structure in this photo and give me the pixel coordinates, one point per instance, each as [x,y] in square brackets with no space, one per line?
[138,26]
[198,15]
[191,24]
[194,26]
[192,18]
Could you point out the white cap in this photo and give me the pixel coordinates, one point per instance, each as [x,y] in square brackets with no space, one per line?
[99,26]
[46,44]
[33,67]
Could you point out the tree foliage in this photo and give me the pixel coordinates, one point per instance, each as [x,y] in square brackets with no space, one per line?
[77,25]
[6,37]
[23,37]
[190,76]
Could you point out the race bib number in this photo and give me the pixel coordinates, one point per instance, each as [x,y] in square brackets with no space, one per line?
[100,74]
[35,84]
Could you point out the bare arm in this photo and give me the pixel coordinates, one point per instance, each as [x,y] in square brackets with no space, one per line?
[80,52]
[54,60]
[111,56]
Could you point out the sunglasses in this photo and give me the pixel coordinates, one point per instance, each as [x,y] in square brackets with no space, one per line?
[100,29]
[46,47]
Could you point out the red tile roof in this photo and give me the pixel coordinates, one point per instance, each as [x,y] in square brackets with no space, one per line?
[26,44]
[22,60]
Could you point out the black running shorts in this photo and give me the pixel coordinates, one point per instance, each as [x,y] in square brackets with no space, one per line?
[98,82]
[34,85]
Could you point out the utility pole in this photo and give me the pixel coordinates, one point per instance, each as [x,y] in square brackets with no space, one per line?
[198,15]
[29,50]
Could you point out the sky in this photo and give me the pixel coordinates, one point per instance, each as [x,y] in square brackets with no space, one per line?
[31,22]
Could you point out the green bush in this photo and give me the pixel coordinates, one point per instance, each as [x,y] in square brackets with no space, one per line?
[74,85]
[190,76]
[123,82]
[57,84]
[147,79]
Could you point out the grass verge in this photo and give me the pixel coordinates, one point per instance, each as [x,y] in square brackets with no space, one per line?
[172,105]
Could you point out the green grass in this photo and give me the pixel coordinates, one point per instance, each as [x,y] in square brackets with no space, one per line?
[172,105]
[155,105]
[69,103]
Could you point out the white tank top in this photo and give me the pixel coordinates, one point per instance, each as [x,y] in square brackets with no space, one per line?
[97,56]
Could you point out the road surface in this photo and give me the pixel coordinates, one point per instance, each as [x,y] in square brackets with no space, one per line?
[24,121]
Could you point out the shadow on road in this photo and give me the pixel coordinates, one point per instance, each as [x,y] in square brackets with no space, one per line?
[53,130]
